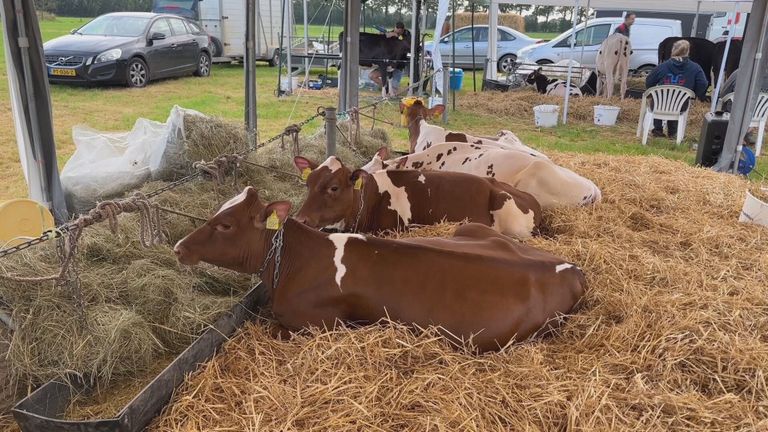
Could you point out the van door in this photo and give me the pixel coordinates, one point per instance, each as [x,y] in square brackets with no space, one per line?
[233,28]
[589,39]
[645,39]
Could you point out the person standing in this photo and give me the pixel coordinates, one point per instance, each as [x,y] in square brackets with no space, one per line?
[680,71]
[401,33]
[624,28]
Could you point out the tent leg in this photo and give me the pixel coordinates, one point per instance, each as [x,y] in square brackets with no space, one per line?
[570,64]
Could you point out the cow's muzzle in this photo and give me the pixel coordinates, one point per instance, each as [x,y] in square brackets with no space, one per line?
[184,256]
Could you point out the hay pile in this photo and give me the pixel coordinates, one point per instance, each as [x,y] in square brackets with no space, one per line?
[137,307]
[519,105]
[511,20]
[670,336]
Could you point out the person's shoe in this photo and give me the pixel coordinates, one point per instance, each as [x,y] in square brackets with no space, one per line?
[658,133]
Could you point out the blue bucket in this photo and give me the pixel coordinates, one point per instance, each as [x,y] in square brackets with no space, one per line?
[457,78]
[747,161]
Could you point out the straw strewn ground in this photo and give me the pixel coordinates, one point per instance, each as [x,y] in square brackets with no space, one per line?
[670,336]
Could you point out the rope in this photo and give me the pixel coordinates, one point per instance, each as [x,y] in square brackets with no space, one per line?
[291,131]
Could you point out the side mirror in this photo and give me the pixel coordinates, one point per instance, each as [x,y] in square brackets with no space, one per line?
[156,36]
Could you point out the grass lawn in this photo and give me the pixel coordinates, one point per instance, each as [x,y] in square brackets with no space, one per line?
[117,108]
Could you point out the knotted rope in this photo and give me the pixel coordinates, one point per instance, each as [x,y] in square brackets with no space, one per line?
[291,131]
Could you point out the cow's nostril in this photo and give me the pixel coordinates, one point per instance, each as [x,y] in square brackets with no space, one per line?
[179,251]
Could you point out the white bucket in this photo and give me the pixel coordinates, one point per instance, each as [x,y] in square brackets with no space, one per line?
[754,211]
[289,81]
[606,115]
[546,115]
[435,100]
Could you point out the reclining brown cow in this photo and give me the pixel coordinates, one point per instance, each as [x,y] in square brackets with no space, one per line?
[357,201]
[478,285]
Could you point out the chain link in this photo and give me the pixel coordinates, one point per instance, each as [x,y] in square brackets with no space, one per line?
[274,251]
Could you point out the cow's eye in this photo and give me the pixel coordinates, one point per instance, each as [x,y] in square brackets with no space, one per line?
[334,188]
[223,227]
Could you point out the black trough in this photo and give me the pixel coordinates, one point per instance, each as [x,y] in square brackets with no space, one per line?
[42,411]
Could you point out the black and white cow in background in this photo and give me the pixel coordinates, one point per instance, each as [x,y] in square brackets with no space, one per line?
[387,54]
[557,87]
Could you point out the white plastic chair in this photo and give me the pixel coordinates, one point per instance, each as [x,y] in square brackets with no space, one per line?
[668,102]
[759,119]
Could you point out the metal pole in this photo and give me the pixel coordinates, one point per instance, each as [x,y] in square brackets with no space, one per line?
[446,79]
[491,64]
[306,38]
[288,59]
[696,19]
[586,24]
[282,43]
[716,92]
[570,64]
[453,48]
[348,96]
[250,73]
[412,73]
[472,25]
[330,132]
[422,64]
[753,61]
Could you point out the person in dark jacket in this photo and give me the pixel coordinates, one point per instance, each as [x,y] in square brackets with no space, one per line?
[680,71]
[623,28]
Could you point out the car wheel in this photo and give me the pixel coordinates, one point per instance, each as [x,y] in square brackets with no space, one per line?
[203,65]
[507,62]
[275,60]
[137,73]
[645,70]
[544,62]
[218,48]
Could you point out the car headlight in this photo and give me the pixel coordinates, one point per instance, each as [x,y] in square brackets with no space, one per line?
[110,55]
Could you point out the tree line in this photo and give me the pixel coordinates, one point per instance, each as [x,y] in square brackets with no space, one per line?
[383,13]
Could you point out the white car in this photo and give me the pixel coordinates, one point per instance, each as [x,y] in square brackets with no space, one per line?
[509,42]
[646,35]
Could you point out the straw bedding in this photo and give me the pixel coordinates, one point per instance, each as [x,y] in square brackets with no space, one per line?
[670,336]
[137,307]
[519,104]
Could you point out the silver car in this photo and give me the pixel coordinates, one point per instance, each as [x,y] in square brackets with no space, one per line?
[509,42]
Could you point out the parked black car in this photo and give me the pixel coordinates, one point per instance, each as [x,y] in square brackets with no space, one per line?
[129,48]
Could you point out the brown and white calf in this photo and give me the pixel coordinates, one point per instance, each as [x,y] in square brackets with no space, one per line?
[551,184]
[357,201]
[423,135]
[478,285]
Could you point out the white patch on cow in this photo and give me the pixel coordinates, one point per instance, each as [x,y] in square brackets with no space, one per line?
[428,134]
[339,242]
[563,266]
[233,202]
[509,219]
[376,164]
[332,163]
[340,225]
[423,179]
[398,197]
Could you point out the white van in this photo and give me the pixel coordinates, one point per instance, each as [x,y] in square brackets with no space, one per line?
[646,35]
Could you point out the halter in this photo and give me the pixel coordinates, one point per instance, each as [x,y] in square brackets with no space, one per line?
[276,251]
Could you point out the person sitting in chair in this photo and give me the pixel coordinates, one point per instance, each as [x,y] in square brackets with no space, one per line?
[401,33]
[680,71]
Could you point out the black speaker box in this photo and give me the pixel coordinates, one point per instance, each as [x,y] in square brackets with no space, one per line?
[712,138]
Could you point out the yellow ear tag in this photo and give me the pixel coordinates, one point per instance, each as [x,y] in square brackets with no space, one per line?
[273,222]
[359,183]
[305,174]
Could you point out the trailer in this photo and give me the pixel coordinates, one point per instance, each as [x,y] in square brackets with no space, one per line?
[224,20]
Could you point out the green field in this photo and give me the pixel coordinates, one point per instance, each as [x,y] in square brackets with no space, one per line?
[117,108]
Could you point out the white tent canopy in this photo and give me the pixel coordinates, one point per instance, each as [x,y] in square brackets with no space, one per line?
[690,6]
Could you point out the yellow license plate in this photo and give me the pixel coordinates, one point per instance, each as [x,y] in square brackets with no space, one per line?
[63,72]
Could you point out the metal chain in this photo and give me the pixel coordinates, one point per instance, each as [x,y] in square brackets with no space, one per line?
[360,210]
[274,251]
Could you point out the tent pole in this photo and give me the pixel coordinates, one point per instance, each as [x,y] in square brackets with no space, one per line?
[716,92]
[586,23]
[250,73]
[696,19]
[289,60]
[570,64]
[472,24]
[753,61]
[414,24]
[453,53]
[306,40]
[493,24]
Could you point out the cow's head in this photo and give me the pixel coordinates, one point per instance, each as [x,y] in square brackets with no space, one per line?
[414,114]
[378,162]
[237,236]
[331,190]
[533,76]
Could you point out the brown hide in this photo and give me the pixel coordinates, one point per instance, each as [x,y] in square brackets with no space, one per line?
[477,285]
[394,199]
[415,113]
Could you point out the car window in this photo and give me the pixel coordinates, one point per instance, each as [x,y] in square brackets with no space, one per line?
[161,26]
[464,35]
[505,37]
[115,25]
[179,29]
[193,27]
[481,34]
[593,35]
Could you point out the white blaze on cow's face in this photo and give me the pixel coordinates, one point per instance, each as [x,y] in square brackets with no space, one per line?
[398,197]
[339,243]
[332,163]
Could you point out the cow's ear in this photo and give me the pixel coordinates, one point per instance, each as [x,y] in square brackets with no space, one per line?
[436,110]
[303,163]
[402,107]
[274,215]
[358,178]
[383,153]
